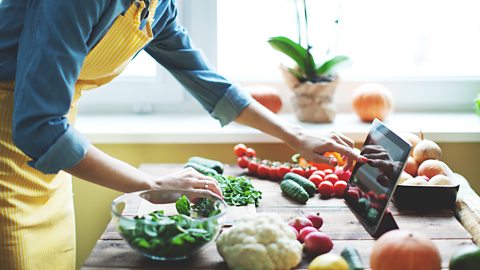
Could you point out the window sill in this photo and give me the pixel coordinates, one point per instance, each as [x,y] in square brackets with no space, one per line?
[197,129]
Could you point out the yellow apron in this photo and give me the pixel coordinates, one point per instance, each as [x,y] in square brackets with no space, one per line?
[37,227]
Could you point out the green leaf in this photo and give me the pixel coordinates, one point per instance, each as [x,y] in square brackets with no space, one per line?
[477,104]
[329,66]
[183,206]
[300,55]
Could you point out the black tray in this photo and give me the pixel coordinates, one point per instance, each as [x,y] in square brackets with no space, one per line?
[425,198]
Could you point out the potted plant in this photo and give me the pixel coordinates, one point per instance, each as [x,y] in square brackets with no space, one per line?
[313,82]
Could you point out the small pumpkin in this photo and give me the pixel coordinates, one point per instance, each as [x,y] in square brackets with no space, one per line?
[404,250]
[372,101]
[267,96]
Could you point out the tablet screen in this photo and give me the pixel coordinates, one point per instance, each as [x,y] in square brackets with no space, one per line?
[372,184]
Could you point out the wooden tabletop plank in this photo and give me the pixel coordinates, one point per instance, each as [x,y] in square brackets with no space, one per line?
[117,253]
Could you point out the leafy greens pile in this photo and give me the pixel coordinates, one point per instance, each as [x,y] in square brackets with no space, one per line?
[172,236]
[238,191]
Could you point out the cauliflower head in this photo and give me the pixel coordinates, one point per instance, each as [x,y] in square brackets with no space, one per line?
[261,241]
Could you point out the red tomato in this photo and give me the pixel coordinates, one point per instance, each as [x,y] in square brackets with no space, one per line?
[328,171]
[339,188]
[250,152]
[242,162]
[316,179]
[298,171]
[252,168]
[239,149]
[273,173]
[262,171]
[331,178]
[352,195]
[326,189]
[282,170]
[309,171]
[320,172]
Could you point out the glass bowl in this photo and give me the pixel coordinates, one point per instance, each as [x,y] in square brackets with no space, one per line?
[149,222]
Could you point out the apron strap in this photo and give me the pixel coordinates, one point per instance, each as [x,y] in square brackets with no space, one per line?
[134,12]
[152,9]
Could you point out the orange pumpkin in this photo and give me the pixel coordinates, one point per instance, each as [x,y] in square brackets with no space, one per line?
[267,96]
[372,101]
[404,250]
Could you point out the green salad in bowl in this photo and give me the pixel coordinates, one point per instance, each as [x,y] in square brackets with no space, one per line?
[175,230]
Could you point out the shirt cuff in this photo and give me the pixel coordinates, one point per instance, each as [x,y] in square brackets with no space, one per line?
[65,153]
[230,105]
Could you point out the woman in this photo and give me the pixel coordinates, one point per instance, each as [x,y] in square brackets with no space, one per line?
[51,51]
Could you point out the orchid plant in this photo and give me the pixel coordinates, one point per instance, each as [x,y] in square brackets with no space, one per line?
[307,69]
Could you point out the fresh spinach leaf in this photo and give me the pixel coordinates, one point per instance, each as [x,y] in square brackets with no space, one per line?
[183,206]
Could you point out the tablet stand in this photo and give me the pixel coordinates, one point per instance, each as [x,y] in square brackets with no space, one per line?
[386,224]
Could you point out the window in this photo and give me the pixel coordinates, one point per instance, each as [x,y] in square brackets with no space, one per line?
[426,52]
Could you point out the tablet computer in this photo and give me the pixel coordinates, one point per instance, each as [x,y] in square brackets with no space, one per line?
[372,184]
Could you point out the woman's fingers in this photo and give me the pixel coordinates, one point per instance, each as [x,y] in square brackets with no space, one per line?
[210,185]
[340,138]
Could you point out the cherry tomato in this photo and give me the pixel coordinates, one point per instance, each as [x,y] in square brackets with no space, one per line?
[319,172]
[282,170]
[339,188]
[252,167]
[242,162]
[239,149]
[262,171]
[250,152]
[331,178]
[273,173]
[352,195]
[326,189]
[310,170]
[315,179]
[328,171]
[298,171]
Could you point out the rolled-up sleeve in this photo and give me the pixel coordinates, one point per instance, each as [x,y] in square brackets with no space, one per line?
[50,55]
[173,49]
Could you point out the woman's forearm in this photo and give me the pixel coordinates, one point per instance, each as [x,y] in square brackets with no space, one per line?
[258,117]
[102,169]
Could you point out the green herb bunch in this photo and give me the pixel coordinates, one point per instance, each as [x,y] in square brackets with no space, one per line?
[238,191]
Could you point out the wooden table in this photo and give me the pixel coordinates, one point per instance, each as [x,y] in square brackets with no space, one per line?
[442,227]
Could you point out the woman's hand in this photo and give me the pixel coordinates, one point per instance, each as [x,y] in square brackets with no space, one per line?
[189,178]
[312,148]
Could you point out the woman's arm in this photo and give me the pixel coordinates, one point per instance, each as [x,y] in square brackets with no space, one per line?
[311,147]
[102,169]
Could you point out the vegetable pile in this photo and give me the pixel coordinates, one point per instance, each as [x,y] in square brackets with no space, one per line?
[237,191]
[172,236]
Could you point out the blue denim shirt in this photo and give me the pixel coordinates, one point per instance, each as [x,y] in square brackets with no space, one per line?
[42,48]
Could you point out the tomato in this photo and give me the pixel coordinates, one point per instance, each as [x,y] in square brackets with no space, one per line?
[239,149]
[310,170]
[242,162]
[319,172]
[273,173]
[282,170]
[250,152]
[339,188]
[331,178]
[326,189]
[262,171]
[252,167]
[352,195]
[328,171]
[316,179]
[298,171]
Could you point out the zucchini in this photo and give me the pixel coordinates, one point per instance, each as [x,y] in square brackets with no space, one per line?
[350,254]
[294,191]
[209,163]
[201,169]
[306,184]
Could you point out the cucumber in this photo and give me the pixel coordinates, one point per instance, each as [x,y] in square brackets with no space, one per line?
[209,163]
[350,254]
[302,181]
[294,191]
[201,169]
